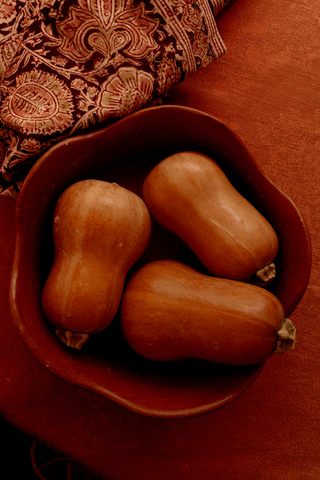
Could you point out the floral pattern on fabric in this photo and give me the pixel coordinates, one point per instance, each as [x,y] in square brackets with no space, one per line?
[69,66]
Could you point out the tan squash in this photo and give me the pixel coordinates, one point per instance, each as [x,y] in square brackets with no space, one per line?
[171,312]
[189,194]
[100,230]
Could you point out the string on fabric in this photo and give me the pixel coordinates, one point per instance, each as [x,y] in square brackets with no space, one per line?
[37,470]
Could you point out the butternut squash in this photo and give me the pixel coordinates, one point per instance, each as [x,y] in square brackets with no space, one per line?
[189,194]
[171,312]
[100,230]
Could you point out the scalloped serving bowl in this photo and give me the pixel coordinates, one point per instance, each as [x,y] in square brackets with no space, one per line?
[124,153]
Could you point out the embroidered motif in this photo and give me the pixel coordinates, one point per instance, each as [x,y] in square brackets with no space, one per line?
[125,92]
[7,10]
[38,104]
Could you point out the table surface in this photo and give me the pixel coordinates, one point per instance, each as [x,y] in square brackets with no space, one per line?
[266,88]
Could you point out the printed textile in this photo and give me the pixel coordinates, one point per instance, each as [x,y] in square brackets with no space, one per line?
[70,66]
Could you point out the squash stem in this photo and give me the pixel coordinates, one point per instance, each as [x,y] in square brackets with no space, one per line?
[72,339]
[286,337]
[267,273]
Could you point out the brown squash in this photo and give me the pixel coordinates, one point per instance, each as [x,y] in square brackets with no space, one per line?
[171,312]
[189,194]
[100,230]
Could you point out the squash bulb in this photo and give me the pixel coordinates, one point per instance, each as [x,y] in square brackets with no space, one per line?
[188,194]
[100,230]
[170,312]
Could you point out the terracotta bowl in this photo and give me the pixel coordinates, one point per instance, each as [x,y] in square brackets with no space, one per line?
[124,153]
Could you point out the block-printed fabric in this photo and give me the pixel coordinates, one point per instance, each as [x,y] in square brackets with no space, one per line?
[70,66]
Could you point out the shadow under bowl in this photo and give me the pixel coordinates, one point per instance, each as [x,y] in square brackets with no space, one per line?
[124,153]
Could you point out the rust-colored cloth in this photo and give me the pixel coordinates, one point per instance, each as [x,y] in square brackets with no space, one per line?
[67,67]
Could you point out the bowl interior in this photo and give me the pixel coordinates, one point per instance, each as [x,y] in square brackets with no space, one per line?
[124,153]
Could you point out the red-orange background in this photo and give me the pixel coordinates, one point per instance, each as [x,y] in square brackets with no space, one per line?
[267,89]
